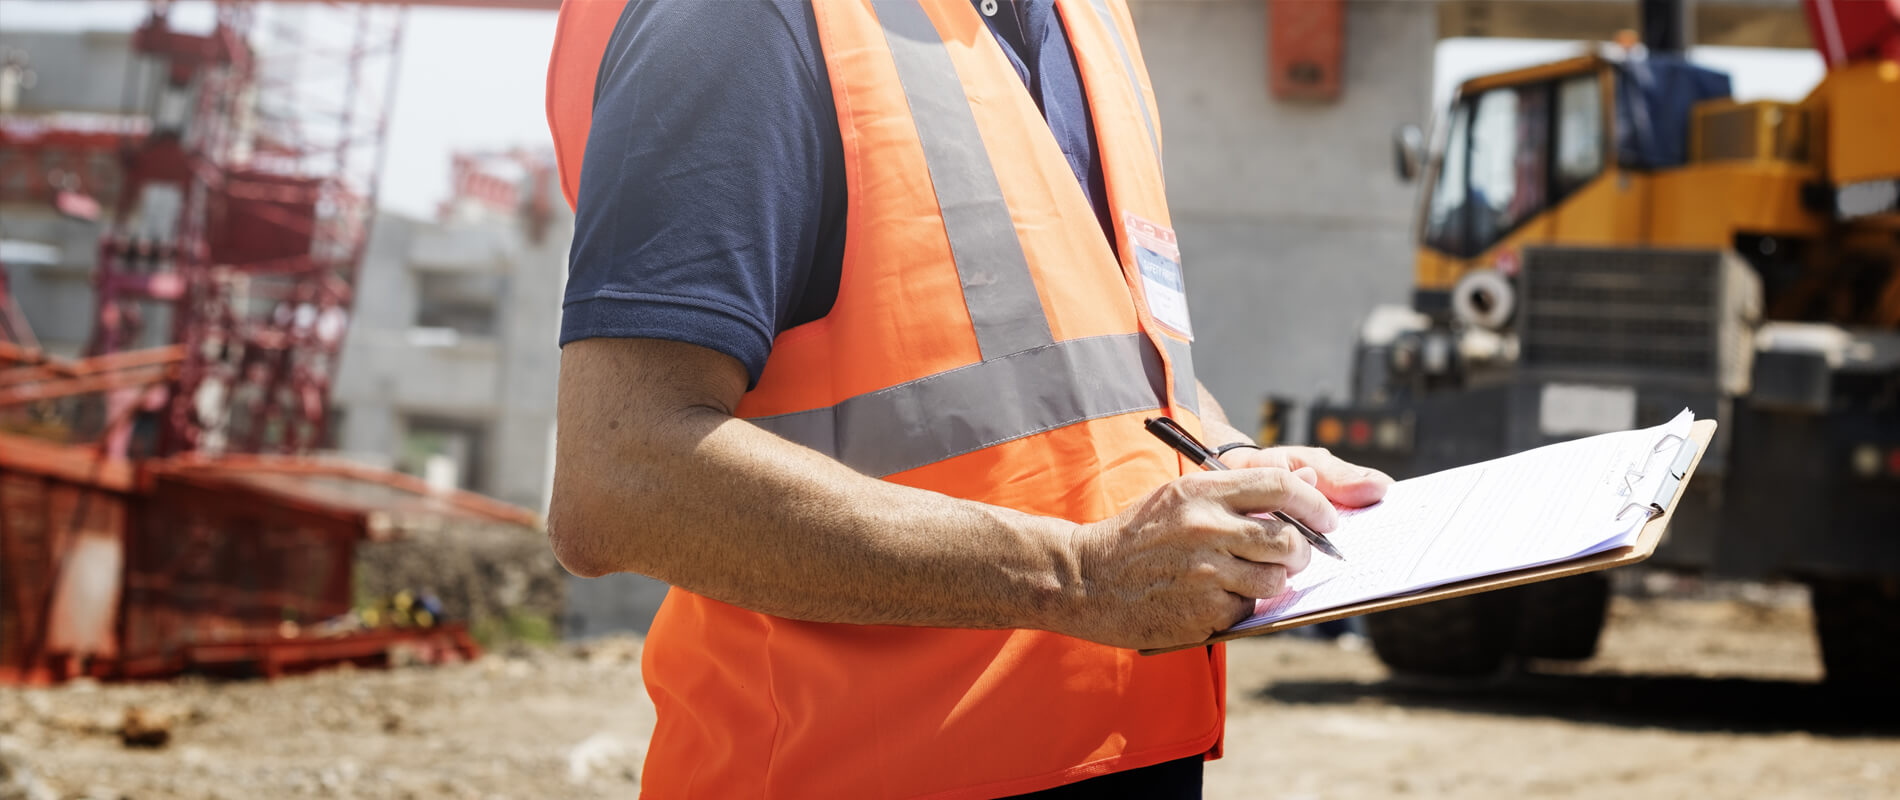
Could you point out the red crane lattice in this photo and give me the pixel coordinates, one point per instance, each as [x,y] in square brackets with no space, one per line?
[238,213]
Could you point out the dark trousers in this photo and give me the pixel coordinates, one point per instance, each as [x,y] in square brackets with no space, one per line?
[1169,780]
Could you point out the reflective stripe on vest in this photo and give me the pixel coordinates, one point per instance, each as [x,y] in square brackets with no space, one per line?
[1128,66]
[951,413]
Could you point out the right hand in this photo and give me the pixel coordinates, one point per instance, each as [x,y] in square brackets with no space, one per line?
[1187,562]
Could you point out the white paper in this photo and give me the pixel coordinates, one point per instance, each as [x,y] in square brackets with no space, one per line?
[1538,507]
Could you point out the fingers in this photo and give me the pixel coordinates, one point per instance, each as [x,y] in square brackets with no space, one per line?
[1267,540]
[1188,561]
[1347,483]
[1231,597]
[1229,610]
[1255,490]
[1243,607]
[1253,580]
[1342,481]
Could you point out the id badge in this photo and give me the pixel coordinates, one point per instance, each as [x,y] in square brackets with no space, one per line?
[1159,259]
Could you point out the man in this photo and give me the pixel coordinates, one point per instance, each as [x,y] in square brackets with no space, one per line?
[867,303]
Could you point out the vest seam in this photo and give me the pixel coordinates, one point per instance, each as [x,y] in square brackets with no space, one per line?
[771,692]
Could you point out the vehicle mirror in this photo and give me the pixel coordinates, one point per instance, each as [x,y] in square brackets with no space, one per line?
[1408,151]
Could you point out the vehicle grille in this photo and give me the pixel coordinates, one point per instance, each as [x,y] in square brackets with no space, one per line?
[1621,309]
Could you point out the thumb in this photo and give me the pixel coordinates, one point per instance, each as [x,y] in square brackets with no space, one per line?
[1308,474]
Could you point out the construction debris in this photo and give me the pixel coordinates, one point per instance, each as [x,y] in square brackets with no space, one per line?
[144,727]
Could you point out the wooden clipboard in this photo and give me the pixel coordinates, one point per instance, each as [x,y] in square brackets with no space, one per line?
[1700,433]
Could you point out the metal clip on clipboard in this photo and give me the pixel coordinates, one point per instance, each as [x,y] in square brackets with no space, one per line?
[1678,468]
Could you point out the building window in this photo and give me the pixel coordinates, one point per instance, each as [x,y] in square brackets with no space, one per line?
[332,429]
[445,452]
[468,304]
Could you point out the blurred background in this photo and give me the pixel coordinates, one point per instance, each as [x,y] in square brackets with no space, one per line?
[282,286]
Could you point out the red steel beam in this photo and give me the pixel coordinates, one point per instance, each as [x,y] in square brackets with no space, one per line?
[75,464]
[97,365]
[63,387]
[25,138]
[20,354]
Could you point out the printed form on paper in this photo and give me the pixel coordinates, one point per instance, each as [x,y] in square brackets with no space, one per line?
[1542,506]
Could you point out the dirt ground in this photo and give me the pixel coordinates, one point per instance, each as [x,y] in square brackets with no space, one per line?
[1688,698]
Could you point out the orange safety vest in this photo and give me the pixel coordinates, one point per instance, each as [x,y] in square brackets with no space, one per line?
[984,344]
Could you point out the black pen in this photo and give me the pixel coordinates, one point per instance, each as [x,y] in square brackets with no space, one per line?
[1177,437]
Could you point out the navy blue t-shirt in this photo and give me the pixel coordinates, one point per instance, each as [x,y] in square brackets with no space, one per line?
[712,207]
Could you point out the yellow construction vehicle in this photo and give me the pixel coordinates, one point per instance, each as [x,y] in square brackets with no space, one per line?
[1608,239]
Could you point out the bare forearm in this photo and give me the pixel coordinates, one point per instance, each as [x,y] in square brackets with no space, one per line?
[655,475]
[722,508]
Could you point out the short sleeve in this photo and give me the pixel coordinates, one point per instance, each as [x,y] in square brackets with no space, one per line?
[713,178]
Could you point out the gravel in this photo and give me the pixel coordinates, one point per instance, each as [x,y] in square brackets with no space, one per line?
[1690,697]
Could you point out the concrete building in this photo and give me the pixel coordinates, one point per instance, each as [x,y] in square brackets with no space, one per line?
[451,357]
[48,261]
[80,77]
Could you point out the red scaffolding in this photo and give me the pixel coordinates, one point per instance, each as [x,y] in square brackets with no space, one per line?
[236,191]
[270,178]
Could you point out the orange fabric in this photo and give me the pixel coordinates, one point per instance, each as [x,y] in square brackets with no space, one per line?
[580,38]
[754,705]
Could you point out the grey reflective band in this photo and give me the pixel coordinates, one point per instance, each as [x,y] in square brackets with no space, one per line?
[1128,65]
[997,287]
[1186,392]
[969,408]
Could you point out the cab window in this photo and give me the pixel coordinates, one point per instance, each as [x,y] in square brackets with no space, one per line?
[1509,130]
[1497,169]
[1445,214]
[1579,132]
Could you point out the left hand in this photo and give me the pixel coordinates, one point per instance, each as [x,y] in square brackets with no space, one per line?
[1342,482]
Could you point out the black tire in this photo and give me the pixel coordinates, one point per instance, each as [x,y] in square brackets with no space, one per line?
[1562,619]
[1476,634]
[1858,624]
[1466,636]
